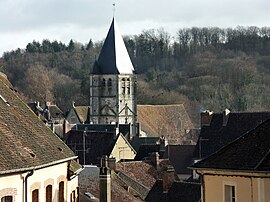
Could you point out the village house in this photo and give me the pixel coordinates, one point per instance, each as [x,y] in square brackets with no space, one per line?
[220,129]
[35,165]
[90,145]
[239,171]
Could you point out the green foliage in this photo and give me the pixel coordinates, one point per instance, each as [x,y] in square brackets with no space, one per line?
[209,68]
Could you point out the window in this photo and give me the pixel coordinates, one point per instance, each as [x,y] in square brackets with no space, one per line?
[7,199]
[73,196]
[123,86]
[103,83]
[77,194]
[229,193]
[110,82]
[49,193]
[128,86]
[35,195]
[61,192]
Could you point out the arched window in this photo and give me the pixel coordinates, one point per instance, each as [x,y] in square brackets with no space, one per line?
[103,83]
[49,193]
[7,199]
[61,192]
[128,86]
[35,197]
[110,82]
[123,86]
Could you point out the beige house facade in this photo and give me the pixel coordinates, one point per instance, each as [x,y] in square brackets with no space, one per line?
[240,171]
[220,186]
[122,149]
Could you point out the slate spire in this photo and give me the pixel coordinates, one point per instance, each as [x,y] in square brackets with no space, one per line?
[113,58]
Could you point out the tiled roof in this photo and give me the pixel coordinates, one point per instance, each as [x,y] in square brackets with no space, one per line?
[142,172]
[250,152]
[180,156]
[89,182]
[55,112]
[82,113]
[25,141]
[113,58]
[171,121]
[146,173]
[217,134]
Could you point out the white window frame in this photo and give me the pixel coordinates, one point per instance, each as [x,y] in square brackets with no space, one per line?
[231,184]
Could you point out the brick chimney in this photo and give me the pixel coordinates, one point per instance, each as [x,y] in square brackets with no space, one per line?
[104,180]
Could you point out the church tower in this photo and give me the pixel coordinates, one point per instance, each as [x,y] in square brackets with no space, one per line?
[113,83]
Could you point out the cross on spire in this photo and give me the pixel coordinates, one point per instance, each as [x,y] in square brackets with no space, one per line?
[113,8]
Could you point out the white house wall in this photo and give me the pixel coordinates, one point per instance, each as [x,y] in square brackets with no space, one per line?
[14,184]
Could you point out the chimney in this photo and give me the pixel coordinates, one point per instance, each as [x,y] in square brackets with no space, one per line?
[206,118]
[226,114]
[104,180]
[116,130]
[154,157]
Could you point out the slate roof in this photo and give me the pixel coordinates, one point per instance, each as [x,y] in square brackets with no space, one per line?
[184,191]
[171,121]
[181,157]
[216,135]
[82,113]
[145,150]
[138,141]
[25,141]
[97,144]
[250,152]
[113,58]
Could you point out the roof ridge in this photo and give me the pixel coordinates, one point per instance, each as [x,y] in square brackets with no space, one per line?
[161,105]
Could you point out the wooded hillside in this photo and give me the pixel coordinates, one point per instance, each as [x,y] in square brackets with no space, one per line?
[204,68]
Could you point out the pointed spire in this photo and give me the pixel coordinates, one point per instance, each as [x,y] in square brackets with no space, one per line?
[113,58]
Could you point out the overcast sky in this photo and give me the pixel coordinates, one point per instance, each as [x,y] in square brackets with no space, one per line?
[22,21]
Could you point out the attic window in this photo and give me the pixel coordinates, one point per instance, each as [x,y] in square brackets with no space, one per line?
[4,100]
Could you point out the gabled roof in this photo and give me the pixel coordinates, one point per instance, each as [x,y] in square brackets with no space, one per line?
[55,111]
[25,141]
[171,121]
[82,113]
[249,152]
[215,135]
[113,58]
